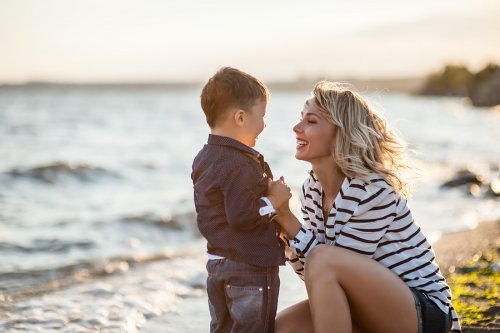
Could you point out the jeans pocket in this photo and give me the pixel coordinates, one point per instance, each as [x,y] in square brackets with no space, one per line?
[245,305]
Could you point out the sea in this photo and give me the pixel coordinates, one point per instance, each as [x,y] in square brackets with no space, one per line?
[97,221]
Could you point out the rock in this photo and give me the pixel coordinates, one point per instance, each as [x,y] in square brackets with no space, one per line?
[482,87]
[485,87]
[495,267]
[468,269]
[463,177]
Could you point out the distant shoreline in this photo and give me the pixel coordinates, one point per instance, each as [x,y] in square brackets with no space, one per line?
[404,85]
[42,84]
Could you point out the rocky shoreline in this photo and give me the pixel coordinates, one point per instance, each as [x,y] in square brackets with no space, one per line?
[456,80]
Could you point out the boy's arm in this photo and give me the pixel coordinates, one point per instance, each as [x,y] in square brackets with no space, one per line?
[242,189]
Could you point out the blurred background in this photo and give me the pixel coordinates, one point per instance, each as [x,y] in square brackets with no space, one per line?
[100,121]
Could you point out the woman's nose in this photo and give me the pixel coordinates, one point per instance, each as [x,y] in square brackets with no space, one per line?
[297,128]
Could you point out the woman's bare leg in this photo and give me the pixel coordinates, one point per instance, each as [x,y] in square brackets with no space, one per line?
[297,319]
[345,287]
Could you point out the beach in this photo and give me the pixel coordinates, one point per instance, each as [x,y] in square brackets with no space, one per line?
[101,119]
[168,295]
[470,259]
[453,250]
[97,221]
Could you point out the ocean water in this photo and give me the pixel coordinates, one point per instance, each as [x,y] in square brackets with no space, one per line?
[97,224]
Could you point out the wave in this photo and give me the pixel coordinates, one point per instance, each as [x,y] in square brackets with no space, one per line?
[181,221]
[46,245]
[52,172]
[29,283]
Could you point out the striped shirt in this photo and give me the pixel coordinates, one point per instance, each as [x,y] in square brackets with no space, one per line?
[371,219]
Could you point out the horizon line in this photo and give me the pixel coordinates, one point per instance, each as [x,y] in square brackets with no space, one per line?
[196,82]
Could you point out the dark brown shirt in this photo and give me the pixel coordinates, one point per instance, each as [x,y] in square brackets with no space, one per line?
[229,178]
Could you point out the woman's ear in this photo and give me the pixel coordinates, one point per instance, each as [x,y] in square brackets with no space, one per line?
[239,117]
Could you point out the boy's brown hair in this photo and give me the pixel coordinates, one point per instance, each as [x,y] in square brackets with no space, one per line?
[230,87]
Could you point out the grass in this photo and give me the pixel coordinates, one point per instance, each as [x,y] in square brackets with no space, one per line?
[475,289]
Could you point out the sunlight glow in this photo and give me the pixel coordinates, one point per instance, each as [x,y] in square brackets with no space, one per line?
[153,40]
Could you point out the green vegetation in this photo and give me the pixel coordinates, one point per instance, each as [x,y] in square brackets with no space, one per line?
[482,87]
[475,289]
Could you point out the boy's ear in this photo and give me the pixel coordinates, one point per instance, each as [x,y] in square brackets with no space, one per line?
[239,117]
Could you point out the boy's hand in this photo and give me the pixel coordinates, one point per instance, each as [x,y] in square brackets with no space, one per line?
[278,192]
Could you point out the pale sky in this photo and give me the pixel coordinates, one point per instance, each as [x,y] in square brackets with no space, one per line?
[187,40]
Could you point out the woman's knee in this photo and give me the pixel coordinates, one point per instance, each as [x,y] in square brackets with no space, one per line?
[325,258]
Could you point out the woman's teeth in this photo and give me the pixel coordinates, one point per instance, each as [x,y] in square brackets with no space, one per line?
[301,143]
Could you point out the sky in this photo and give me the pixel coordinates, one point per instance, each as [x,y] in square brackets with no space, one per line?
[187,40]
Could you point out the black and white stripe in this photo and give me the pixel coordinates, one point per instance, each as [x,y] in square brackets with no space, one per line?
[371,219]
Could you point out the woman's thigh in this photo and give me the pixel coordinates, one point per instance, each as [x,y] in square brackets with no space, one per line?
[379,301]
[297,318]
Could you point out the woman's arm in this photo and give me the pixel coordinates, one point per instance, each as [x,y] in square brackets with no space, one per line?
[298,238]
[288,222]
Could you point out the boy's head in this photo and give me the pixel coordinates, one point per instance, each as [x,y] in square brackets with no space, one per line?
[230,89]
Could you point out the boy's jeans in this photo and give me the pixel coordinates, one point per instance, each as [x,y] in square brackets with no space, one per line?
[241,297]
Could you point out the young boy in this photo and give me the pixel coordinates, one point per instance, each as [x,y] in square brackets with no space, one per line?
[231,181]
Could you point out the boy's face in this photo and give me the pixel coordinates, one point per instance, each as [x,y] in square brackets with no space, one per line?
[254,123]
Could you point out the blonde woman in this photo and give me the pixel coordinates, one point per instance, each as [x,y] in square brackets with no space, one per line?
[367,266]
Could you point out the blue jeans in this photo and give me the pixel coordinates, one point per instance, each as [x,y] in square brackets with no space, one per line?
[242,297]
[430,318]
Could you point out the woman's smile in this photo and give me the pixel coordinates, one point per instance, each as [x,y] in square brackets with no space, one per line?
[313,134]
[301,143]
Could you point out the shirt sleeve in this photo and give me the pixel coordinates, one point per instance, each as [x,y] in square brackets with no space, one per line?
[298,248]
[242,189]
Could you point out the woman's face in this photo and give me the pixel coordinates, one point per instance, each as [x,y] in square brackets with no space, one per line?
[315,135]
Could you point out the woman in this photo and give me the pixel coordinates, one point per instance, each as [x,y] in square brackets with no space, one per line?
[366,264]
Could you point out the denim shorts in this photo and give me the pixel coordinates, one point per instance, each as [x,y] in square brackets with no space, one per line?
[241,297]
[430,317]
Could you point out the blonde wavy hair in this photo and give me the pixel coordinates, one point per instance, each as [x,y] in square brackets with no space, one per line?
[364,143]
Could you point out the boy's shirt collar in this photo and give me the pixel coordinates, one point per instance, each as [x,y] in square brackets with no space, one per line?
[220,140]
[231,143]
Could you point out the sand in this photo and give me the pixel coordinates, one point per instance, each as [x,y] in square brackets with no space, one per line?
[455,249]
